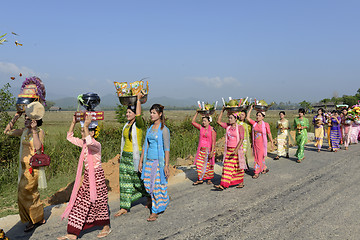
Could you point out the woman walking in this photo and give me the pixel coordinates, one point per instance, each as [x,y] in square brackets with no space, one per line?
[31,209]
[205,155]
[319,121]
[282,126]
[131,186]
[88,205]
[154,161]
[234,161]
[301,124]
[335,133]
[346,128]
[260,130]
[247,131]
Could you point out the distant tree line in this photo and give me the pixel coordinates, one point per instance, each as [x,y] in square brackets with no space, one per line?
[345,99]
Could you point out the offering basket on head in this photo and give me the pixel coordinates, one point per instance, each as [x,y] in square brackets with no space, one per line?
[131,100]
[206,112]
[127,92]
[236,109]
[32,90]
[89,101]
[261,108]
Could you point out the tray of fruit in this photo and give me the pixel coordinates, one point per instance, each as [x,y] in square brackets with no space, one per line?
[261,106]
[206,109]
[236,105]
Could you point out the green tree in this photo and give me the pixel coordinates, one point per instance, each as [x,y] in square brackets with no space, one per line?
[9,146]
[306,105]
[121,113]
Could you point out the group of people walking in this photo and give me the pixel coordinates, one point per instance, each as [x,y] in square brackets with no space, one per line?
[243,132]
[144,165]
[143,171]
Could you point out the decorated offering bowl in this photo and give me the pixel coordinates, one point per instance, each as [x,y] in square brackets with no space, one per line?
[131,100]
[236,109]
[261,108]
[206,112]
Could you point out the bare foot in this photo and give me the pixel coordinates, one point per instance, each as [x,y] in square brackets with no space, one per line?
[122,211]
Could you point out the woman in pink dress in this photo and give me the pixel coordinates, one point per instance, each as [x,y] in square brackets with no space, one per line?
[205,156]
[346,128]
[234,160]
[259,132]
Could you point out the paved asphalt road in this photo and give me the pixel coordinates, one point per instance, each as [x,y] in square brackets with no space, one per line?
[316,199]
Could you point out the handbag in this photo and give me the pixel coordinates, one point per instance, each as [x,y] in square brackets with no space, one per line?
[40,160]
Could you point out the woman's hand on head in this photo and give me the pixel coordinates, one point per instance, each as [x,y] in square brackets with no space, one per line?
[88,119]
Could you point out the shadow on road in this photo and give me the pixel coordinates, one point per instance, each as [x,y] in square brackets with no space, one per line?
[17,231]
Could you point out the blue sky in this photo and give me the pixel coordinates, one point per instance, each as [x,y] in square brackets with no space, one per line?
[276,50]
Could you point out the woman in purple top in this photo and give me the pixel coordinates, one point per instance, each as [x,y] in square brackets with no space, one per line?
[335,135]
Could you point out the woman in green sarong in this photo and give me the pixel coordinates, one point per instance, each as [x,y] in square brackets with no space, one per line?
[301,124]
[247,131]
[131,186]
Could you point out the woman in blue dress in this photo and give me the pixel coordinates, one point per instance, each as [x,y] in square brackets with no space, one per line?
[154,161]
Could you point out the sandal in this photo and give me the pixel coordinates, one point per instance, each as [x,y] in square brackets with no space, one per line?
[104,233]
[121,212]
[219,188]
[153,217]
[67,237]
[209,182]
[32,226]
[277,158]
[256,176]
[265,171]
[198,182]
[299,160]
[241,185]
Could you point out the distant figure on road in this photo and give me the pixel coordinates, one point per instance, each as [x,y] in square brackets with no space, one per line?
[131,186]
[234,160]
[260,132]
[154,161]
[346,128]
[301,125]
[335,133]
[282,126]
[88,205]
[319,121]
[205,155]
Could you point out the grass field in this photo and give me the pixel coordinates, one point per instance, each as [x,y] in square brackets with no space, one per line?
[184,139]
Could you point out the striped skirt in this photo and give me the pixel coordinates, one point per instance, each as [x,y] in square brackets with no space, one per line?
[86,214]
[153,186]
[131,186]
[232,174]
[335,138]
[204,171]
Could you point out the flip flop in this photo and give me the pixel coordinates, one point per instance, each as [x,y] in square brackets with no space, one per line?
[152,218]
[277,158]
[209,182]
[198,182]
[256,176]
[103,233]
[118,214]
[219,188]
[265,171]
[65,238]
[241,185]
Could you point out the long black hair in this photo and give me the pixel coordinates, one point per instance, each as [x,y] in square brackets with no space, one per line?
[133,109]
[159,109]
